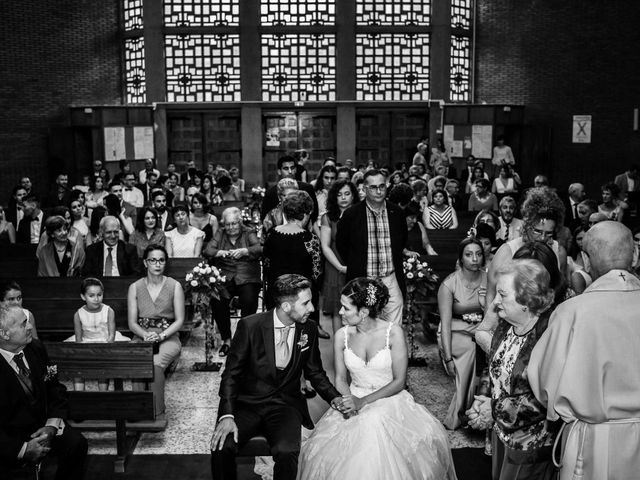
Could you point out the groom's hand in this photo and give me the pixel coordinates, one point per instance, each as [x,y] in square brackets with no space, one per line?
[224,428]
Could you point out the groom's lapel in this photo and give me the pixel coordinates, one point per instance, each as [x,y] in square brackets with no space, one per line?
[295,353]
[269,343]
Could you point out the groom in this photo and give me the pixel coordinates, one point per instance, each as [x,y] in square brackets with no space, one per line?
[260,389]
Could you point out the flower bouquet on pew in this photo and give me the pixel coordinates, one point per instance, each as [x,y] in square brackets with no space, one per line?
[203,283]
[419,275]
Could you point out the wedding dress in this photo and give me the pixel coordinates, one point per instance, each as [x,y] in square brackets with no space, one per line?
[391,438]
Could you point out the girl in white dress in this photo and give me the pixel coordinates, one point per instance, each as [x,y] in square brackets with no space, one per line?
[94,323]
[378,431]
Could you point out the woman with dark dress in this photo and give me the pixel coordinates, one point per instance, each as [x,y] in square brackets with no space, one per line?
[201,218]
[59,256]
[148,230]
[417,239]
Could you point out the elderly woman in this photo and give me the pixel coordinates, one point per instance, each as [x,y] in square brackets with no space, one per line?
[59,256]
[522,436]
[460,307]
[274,217]
[148,230]
[542,212]
[235,250]
[156,314]
[184,241]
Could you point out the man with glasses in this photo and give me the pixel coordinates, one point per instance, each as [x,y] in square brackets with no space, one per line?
[371,237]
[111,257]
[287,169]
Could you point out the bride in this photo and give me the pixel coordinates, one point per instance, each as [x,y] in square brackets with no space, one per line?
[377,431]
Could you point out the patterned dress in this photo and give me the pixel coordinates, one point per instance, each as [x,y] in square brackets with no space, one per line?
[440,220]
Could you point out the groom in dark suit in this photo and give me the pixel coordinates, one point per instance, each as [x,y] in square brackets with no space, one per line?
[260,389]
[33,404]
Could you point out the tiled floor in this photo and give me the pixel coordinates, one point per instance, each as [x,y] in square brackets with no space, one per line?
[192,400]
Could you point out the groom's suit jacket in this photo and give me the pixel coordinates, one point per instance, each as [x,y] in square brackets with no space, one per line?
[21,414]
[250,376]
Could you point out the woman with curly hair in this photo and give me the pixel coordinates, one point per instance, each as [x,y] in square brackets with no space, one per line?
[611,206]
[341,196]
[324,181]
[387,434]
[542,214]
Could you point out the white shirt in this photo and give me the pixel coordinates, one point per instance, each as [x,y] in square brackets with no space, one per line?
[142,176]
[631,183]
[133,196]
[163,219]
[36,228]
[114,254]
[514,229]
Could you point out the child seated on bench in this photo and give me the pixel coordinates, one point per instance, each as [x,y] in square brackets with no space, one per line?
[94,322]
[11,294]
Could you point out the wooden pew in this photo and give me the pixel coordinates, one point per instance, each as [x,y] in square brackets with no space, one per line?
[110,410]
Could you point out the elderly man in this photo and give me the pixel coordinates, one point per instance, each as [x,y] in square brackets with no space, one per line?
[420,157]
[111,257]
[371,237]
[584,368]
[34,404]
[576,194]
[510,227]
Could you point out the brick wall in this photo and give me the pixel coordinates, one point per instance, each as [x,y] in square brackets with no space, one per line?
[565,58]
[53,54]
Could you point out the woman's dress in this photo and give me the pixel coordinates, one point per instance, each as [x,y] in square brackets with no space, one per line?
[95,326]
[440,220]
[463,347]
[391,438]
[184,246]
[333,280]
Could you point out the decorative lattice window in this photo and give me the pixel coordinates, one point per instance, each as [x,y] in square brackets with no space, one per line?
[392,66]
[301,12]
[393,12]
[461,14]
[203,68]
[460,69]
[135,83]
[132,11]
[201,13]
[298,67]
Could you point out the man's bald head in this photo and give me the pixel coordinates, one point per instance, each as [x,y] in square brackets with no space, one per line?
[609,246]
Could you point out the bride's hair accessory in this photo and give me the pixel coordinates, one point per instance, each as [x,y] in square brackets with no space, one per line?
[370,301]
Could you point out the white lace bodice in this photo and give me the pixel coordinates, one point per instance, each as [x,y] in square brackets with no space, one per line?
[372,375]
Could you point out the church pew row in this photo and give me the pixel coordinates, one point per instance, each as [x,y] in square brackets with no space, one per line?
[119,410]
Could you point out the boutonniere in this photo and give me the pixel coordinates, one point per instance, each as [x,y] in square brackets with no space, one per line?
[68,254]
[304,339]
[52,373]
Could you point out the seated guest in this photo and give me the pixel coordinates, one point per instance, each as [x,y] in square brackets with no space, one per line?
[611,205]
[149,187]
[234,173]
[510,226]
[419,188]
[148,231]
[125,208]
[165,185]
[60,257]
[439,215]
[585,209]
[184,241]
[478,173]
[94,198]
[227,190]
[522,436]
[156,315]
[124,167]
[235,250]
[540,181]
[417,239]
[482,198]
[148,169]
[14,211]
[507,181]
[130,193]
[201,218]
[176,189]
[59,194]
[452,187]
[486,235]
[344,173]
[438,181]
[274,217]
[30,227]
[159,202]
[11,294]
[94,226]
[110,257]
[34,404]
[208,188]
[400,194]
[578,266]
[78,221]
[7,231]
[488,217]
[114,209]
[575,194]
[189,193]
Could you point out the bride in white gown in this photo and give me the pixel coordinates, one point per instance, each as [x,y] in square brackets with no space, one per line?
[379,432]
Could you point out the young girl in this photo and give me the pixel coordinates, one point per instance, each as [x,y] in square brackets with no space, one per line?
[11,294]
[94,322]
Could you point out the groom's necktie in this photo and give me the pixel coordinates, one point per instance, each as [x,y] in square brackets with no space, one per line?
[282,347]
[23,371]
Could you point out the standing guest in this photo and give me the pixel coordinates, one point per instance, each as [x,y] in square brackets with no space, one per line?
[460,308]
[467,173]
[440,215]
[488,217]
[30,227]
[149,187]
[11,294]
[104,174]
[125,167]
[341,196]
[126,209]
[578,266]
[585,209]
[583,369]
[176,189]
[148,231]
[208,187]
[156,314]
[482,198]
[452,187]
[95,197]
[235,250]
[25,182]
[7,230]
[439,156]
[184,241]
[14,212]
[326,177]
[114,209]
[502,154]
[79,222]
[201,218]
[274,217]
[611,205]
[60,257]
[110,257]
[60,192]
[417,238]
[420,156]
[419,188]
[148,169]
[523,437]
[400,194]
[159,201]
[186,178]
[627,182]
[287,169]
[97,166]
[576,194]
[234,173]
[540,181]
[510,227]
[165,184]
[371,237]
[506,181]
[302,158]
[486,235]
[35,405]
[344,173]
[130,193]
[191,191]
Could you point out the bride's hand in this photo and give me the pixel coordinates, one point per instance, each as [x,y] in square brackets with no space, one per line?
[351,403]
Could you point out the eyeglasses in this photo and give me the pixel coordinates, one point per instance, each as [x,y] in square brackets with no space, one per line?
[376,188]
[232,224]
[156,261]
[541,233]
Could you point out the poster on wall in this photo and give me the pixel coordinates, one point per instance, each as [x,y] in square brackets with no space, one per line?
[114,144]
[273,137]
[143,142]
[482,141]
[582,129]
[455,149]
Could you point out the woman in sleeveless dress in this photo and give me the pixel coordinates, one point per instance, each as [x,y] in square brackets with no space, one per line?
[156,314]
[440,215]
[377,431]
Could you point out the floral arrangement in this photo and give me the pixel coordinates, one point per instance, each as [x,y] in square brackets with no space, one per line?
[204,282]
[258,192]
[419,273]
[52,373]
[472,317]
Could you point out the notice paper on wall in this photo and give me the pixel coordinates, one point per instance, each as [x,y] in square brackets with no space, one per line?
[114,144]
[582,129]
[143,142]
[481,141]
[455,149]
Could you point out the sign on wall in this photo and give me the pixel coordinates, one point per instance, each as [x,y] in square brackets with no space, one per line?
[462,140]
[128,143]
[582,129]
